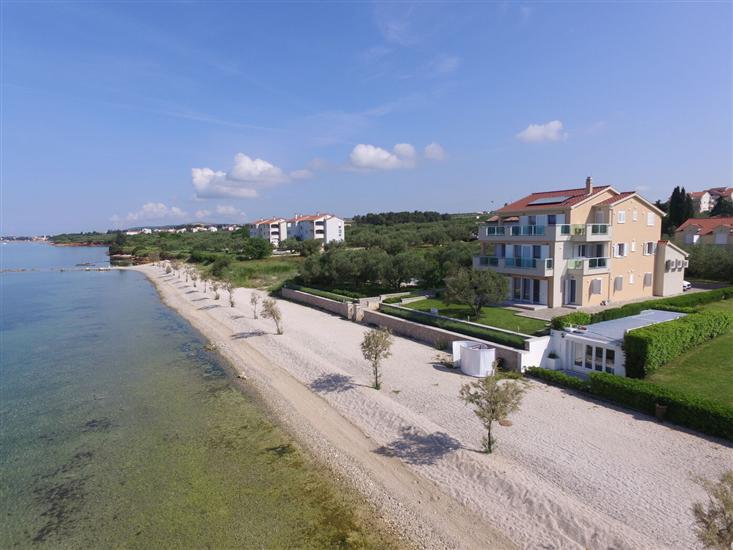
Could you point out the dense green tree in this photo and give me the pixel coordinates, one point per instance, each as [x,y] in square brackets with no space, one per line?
[476,289]
[724,207]
[256,248]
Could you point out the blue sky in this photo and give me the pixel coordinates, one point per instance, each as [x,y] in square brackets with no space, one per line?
[144,113]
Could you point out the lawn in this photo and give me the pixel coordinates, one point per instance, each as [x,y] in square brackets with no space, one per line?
[492,316]
[267,273]
[706,370]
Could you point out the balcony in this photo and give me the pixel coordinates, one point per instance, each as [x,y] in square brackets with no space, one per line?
[541,267]
[583,232]
[589,266]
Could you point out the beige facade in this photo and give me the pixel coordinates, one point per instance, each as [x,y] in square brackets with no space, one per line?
[672,261]
[714,231]
[274,230]
[577,247]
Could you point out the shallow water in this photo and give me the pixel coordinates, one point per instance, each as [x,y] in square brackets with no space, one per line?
[118,429]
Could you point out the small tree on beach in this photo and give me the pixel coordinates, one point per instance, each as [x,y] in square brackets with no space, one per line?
[714,522]
[194,277]
[270,310]
[376,347]
[254,300]
[215,289]
[492,401]
[168,269]
[230,290]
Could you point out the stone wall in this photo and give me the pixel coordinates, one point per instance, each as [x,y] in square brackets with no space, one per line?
[438,336]
[344,309]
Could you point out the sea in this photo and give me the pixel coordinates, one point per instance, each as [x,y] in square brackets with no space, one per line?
[118,429]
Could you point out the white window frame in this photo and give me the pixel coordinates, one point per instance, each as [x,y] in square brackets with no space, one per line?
[631,278]
[650,248]
[633,245]
[616,250]
[618,283]
[634,214]
[596,286]
[647,279]
[621,216]
[650,219]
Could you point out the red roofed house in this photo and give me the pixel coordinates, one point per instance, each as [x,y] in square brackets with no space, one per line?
[579,247]
[273,229]
[716,231]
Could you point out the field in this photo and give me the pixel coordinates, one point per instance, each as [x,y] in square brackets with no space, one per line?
[493,316]
[706,370]
[266,273]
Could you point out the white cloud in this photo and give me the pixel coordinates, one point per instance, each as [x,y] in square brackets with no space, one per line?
[434,151]
[371,157]
[202,214]
[227,210]
[241,182]
[152,211]
[551,131]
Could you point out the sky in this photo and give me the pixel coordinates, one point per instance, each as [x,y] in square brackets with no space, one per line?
[122,114]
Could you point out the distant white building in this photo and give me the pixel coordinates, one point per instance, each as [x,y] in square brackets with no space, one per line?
[326,227]
[213,229]
[272,229]
[131,233]
[147,231]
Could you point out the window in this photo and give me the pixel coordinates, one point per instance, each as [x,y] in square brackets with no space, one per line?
[551,219]
[621,216]
[531,220]
[647,279]
[599,359]
[595,286]
[581,251]
[634,214]
[618,283]
[633,246]
[620,250]
[610,361]
[650,248]
[536,251]
[589,357]
[650,218]
[631,278]
[578,354]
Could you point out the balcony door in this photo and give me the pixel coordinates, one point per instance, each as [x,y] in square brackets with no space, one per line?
[571,291]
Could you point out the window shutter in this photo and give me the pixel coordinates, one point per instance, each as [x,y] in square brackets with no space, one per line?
[647,279]
[618,283]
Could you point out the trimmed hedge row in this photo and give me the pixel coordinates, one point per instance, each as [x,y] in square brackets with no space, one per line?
[686,303]
[320,293]
[498,337]
[684,409]
[558,378]
[648,348]
[688,410]
[392,300]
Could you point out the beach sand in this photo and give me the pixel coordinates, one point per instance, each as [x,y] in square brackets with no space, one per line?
[569,472]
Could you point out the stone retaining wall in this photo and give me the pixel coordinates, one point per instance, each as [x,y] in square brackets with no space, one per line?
[344,309]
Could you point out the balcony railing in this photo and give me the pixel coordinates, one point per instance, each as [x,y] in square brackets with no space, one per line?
[588,263]
[584,229]
[515,263]
[515,230]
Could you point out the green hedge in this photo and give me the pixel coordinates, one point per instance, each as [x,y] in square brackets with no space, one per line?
[392,300]
[576,318]
[685,303]
[648,348]
[558,378]
[512,340]
[321,293]
[684,409]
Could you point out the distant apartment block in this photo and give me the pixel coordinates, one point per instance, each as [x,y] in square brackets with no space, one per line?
[705,201]
[717,231]
[581,247]
[273,229]
[325,227]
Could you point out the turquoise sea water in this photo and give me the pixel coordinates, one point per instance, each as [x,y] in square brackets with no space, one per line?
[117,428]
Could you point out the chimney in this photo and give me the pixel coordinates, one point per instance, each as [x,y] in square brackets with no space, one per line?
[588,185]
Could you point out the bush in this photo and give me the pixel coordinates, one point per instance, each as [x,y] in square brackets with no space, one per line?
[648,348]
[576,318]
[684,409]
[320,293]
[392,300]
[219,265]
[454,325]
[558,378]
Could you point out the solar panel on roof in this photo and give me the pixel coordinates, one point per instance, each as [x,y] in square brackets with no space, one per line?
[549,200]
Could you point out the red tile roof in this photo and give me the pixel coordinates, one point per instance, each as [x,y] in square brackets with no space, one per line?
[616,198]
[706,225]
[697,194]
[574,196]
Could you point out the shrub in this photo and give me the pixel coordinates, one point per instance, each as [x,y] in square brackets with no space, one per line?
[454,325]
[392,300]
[558,378]
[650,347]
[320,293]
[219,265]
[575,318]
[684,409]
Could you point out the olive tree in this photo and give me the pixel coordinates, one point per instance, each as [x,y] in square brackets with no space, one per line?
[492,400]
[476,289]
[254,300]
[270,310]
[230,290]
[714,521]
[375,348]
[215,289]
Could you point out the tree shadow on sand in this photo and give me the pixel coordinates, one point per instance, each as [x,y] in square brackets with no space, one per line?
[420,449]
[332,383]
[245,335]
[211,306]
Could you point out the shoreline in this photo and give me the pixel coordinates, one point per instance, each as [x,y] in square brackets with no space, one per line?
[411,509]
[612,479]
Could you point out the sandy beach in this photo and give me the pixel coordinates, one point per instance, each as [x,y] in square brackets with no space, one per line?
[569,472]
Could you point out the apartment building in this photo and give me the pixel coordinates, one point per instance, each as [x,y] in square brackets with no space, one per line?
[717,231]
[273,229]
[578,247]
[705,201]
[326,227]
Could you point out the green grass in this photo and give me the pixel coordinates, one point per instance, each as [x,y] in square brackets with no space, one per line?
[267,273]
[706,370]
[492,316]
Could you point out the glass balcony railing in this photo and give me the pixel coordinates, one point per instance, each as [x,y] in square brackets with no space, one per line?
[492,230]
[515,263]
[599,229]
[515,230]
[588,263]
[577,229]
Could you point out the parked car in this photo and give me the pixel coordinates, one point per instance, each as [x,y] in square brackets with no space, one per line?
[686,285]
